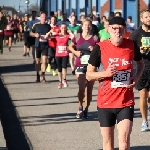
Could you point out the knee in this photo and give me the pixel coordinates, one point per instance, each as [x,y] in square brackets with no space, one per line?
[143,94]
[37,62]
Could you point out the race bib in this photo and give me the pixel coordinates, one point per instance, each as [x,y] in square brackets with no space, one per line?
[145,41]
[42,38]
[121,79]
[84,59]
[62,49]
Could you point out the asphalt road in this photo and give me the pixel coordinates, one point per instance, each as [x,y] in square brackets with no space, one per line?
[40,117]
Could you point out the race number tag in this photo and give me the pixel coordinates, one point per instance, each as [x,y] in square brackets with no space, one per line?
[42,38]
[62,49]
[121,79]
[145,41]
[84,59]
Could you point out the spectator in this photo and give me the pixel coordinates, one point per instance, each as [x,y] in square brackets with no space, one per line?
[118,14]
[130,27]
[63,20]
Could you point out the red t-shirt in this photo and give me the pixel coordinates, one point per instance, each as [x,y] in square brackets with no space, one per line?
[112,92]
[52,40]
[62,45]
[8,31]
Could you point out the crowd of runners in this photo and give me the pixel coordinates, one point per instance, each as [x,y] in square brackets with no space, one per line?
[109,50]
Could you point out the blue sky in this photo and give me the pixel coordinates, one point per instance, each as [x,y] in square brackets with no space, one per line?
[15,3]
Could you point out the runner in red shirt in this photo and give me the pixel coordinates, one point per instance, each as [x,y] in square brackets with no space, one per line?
[8,33]
[52,45]
[116,81]
[62,54]
[15,22]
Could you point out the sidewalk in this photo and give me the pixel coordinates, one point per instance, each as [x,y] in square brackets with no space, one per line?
[46,114]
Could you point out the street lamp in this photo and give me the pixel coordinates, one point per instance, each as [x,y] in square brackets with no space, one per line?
[19,7]
[27,2]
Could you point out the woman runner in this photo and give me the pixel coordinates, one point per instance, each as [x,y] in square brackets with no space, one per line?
[84,43]
[62,54]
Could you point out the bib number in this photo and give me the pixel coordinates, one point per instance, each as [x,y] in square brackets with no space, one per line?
[145,41]
[121,79]
[62,49]
[42,38]
[84,59]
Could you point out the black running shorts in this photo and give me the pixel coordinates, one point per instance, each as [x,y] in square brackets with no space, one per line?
[39,52]
[144,81]
[6,37]
[109,116]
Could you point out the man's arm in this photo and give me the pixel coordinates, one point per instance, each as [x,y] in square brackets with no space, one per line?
[94,62]
[33,32]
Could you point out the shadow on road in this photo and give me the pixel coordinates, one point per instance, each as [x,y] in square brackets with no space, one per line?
[135,148]
[13,131]
[17,68]
[56,119]
[3,148]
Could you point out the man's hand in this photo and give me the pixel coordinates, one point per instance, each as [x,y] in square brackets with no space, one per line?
[78,53]
[111,70]
[133,82]
[91,48]
[37,35]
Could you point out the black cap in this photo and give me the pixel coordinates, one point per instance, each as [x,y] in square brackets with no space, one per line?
[117,20]
[129,17]
[33,11]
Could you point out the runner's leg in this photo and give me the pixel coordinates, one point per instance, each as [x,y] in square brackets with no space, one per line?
[88,96]
[143,103]
[125,123]
[10,43]
[59,66]
[64,70]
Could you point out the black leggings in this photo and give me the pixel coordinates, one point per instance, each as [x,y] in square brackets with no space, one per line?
[51,56]
[62,62]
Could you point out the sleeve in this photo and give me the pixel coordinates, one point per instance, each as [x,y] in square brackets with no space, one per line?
[74,40]
[95,57]
[137,54]
[79,30]
[134,35]
[96,39]
[34,28]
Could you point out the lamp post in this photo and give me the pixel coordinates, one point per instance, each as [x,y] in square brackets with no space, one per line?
[27,2]
[37,6]
[19,7]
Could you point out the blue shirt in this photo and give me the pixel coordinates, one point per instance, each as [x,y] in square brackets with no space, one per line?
[31,23]
[64,22]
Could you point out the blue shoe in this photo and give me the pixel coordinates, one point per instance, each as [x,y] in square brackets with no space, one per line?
[144,126]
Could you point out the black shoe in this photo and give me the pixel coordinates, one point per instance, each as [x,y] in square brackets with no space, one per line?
[38,79]
[24,54]
[73,72]
[85,116]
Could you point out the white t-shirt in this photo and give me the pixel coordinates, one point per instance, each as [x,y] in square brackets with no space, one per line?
[95,22]
[130,26]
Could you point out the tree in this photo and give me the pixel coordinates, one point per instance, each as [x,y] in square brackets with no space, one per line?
[34,7]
